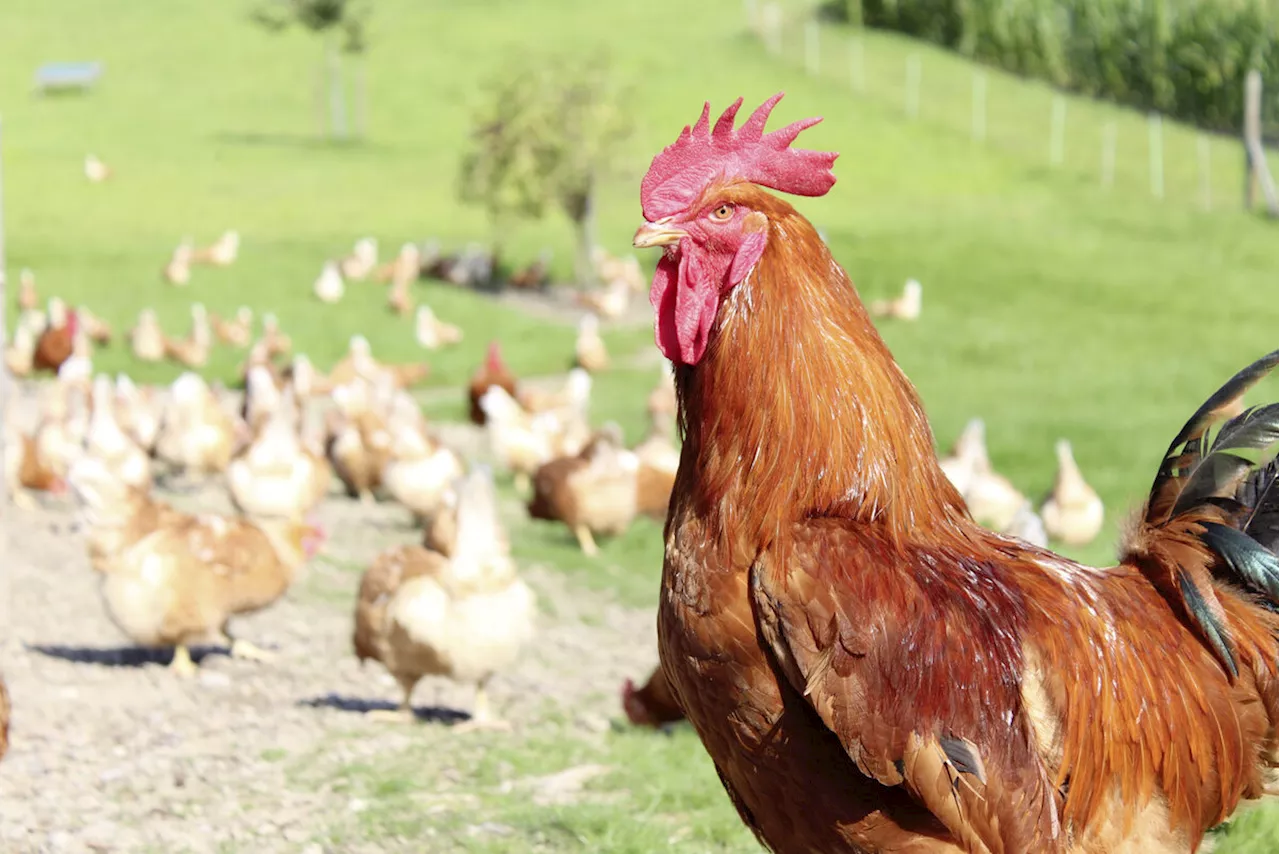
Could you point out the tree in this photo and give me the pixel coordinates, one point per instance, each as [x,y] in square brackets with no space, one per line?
[344,26]
[550,130]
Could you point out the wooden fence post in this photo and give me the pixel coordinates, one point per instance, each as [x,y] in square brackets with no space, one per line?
[1255,157]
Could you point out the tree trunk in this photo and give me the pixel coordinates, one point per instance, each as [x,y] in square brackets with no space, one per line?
[583,213]
[337,97]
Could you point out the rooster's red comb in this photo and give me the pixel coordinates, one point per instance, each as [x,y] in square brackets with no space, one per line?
[702,153]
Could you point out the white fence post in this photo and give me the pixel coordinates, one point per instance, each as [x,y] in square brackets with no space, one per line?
[1155,153]
[912,94]
[978,128]
[1057,130]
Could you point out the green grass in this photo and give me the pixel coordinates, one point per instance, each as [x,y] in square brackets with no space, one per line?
[1053,307]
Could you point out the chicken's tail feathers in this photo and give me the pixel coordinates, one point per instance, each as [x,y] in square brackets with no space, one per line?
[1209,526]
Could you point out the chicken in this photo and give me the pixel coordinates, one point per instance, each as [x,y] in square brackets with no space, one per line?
[521,441]
[399,300]
[25,471]
[146,339]
[431,332]
[28,297]
[493,372]
[402,268]
[274,342]
[196,436]
[95,170]
[138,412]
[617,271]
[659,460]
[534,277]
[236,332]
[177,271]
[329,286]
[652,704]
[661,403]
[610,301]
[1073,511]
[19,354]
[98,330]
[592,492]
[262,398]
[870,670]
[418,469]
[221,253]
[76,371]
[55,344]
[465,616]
[180,583]
[275,476]
[905,307]
[106,442]
[192,351]
[357,443]
[991,497]
[589,350]
[59,441]
[359,264]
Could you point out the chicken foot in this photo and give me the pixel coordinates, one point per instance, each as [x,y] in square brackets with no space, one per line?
[482,715]
[588,543]
[182,665]
[402,714]
[249,652]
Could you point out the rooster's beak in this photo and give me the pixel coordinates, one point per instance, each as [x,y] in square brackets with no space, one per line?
[660,233]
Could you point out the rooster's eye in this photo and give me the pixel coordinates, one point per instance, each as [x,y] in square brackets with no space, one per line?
[722,213]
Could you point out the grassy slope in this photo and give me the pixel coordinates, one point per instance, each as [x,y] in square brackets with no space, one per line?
[1052,307]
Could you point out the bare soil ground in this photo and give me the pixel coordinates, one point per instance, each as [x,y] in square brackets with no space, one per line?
[110,752]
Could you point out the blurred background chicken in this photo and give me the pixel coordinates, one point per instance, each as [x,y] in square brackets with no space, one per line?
[1073,512]
[431,333]
[276,476]
[221,253]
[592,492]
[109,445]
[493,371]
[98,330]
[197,437]
[28,296]
[95,170]
[329,286]
[905,307]
[992,499]
[193,350]
[536,276]
[146,338]
[360,263]
[236,331]
[464,616]
[177,271]
[418,469]
[590,353]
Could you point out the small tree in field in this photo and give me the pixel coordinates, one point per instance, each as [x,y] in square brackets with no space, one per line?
[549,131]
[344,25]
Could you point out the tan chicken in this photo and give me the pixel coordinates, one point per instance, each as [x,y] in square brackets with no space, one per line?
[520,441]
[262,398]
[612,270]
[108,443]
[146,339]
[19,354]
[399,300]
[659,459]
[181,583]
[59,441]
[177,271]
[329,287]
[25,471]
[138,412]
[465,616]
[593,492]
[28,297]
[360,363]
[403,268]
[76,371]
[360,263]
[97,329]
[992,499]
[236,331]
[610,301]
[197,437]
[590,353]
[357,443]
[493,371]
[306,381]
[275,476]
[1073,512]
[193,350]
[432,333]
[275,342]
[905,307]
[95,170]
[661,403]
[221,253]
[419,469]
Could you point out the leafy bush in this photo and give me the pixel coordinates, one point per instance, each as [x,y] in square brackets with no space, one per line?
[1187,58]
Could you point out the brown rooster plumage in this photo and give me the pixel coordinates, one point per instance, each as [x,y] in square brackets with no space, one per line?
[869,669]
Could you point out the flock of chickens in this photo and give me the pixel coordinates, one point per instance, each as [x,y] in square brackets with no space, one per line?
[176,579]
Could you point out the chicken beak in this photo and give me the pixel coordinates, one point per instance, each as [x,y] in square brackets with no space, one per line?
[660,233]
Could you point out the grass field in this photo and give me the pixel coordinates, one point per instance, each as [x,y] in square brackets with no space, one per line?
[1052,306]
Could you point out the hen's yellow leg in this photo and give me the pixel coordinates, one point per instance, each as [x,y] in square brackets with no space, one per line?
[588,542]
[482,715]
[182,665]
[400,715]
[249,652]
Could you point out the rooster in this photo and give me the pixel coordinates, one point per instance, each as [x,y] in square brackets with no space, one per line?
[56,343]
[869,669]
[492,372]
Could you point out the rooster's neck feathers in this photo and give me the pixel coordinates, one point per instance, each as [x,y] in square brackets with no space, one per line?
[798,409]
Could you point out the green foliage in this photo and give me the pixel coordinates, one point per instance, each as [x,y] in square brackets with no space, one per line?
[1187,58]
[551,128]
[348,17]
